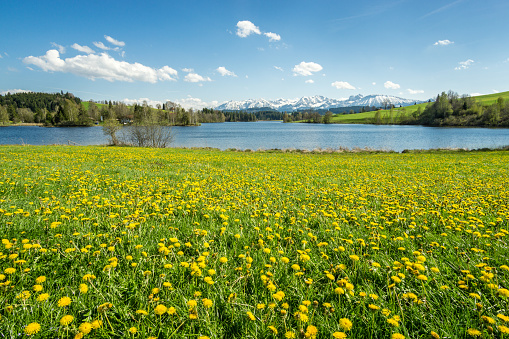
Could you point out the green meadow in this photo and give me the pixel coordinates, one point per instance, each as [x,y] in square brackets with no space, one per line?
[107,242]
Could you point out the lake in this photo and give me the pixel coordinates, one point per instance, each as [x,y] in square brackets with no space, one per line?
[274,134]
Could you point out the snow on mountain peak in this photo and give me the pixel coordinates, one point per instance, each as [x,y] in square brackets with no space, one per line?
[315,102]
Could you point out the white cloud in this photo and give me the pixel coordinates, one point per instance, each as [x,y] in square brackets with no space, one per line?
[391,85]
[306,68]
[415,91]
[495,91]
[195,103]
[102,66]
[464,64]
[60,48]
[193,77]
[443,43]
[475,94]
[150,102]
[101,46]
[373,83]
[342,85]
[14,91]
[223,71]
[187,70]
[84,49]
[114,42]
[272,36]
[279,68]
[1,56]
[310,81]
[246,28]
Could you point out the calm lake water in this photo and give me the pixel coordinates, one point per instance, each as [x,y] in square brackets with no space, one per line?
[270,135]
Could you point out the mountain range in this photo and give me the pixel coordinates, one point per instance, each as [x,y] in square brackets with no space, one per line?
[317,102]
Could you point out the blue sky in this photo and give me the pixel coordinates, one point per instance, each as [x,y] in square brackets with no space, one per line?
[200,53]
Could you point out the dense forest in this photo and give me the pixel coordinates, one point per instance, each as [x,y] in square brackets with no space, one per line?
[59,109]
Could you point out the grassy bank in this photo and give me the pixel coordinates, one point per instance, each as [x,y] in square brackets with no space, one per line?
[130,242]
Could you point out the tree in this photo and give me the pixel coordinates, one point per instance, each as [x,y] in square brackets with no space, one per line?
[4,116]
[93,111]
[327,119]
[110,128]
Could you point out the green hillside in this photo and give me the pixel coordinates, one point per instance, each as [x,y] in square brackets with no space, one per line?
[367,117]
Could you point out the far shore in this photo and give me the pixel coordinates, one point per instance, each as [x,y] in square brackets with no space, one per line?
[24,124]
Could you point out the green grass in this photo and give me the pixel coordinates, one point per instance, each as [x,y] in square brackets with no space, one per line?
[417,238]
[86,104]
[368,117]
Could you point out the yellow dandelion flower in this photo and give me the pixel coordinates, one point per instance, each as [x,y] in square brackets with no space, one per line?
[10,270]
[64,301]
[85,328]
[503,329]
[133,330]
[32,328]
[96,324]
[290,335]
[473,332]
[83,288]
[273,329]
[311,332]
[40,279]
[339,335]
[345,324]
[251,316]
[160,309]
[66,320]
[397,336]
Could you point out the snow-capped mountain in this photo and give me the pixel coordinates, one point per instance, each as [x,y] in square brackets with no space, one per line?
[315,102]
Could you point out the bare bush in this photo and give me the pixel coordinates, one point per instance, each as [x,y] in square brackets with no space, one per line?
[150,135]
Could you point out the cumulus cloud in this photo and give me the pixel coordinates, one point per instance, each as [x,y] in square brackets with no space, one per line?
[187,70]
[310,81]
[443,43]
[272,36]
[193,77]
[306,68]
[100,66]
[60,48]
[223,71]
[373,83]
[84,49]
[464,64]
[342,85]
[279,68]
[415,91]
[391,85]
[195,103]
[114,42]
[246,28]
[14,91]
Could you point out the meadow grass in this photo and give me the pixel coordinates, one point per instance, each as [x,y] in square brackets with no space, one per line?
[369,117]
[105,242]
